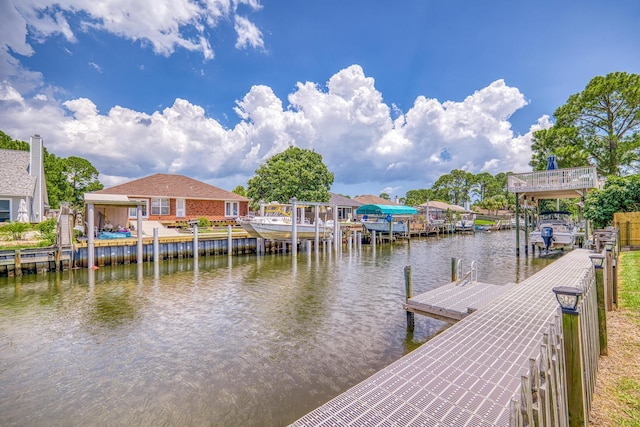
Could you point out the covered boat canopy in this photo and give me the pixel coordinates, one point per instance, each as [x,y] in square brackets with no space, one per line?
[386,210]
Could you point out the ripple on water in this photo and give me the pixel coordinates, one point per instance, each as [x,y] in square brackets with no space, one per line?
[259,342]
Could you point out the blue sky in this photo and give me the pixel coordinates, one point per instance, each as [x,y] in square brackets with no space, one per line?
[392,95]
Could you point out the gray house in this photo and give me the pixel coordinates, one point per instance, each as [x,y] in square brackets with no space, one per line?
[22,180]
[346,206]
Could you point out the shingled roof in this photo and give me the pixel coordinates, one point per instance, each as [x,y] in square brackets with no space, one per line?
[370,199]
[172,186]
[15,180]
[340,200]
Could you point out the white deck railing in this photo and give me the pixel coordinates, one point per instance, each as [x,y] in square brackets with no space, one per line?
[555,179]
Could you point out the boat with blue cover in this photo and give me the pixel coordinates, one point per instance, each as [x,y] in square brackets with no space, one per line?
[386,218]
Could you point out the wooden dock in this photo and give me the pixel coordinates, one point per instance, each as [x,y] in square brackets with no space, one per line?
[468,374]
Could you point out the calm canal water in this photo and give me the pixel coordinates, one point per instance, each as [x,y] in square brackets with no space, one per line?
[247,341]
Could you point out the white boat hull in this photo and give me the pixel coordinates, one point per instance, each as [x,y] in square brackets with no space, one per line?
[554,233]
[465,225]
[273,231]
[559,240]
[248,227]
[383,227]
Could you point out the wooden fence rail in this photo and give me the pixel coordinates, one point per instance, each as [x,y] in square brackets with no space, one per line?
[542,399]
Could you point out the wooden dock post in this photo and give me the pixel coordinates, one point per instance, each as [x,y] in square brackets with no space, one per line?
[454,269]
[58,255]
[373,238]
[601,298]
[18,264]
[229,241]
[408,285]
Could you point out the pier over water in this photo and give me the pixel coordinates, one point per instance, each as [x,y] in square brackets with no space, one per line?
[468,374]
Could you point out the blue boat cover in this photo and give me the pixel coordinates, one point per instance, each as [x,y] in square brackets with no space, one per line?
[386,210]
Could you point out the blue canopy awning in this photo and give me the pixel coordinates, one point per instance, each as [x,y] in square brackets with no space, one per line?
[386,210]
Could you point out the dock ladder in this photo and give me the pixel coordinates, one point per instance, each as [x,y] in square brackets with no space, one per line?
[469,277]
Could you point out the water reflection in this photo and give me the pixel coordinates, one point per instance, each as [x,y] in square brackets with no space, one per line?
[225,341]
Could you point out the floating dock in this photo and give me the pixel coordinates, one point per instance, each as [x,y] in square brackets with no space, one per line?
[455,301]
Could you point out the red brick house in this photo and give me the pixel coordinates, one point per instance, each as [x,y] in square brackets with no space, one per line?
[176,198]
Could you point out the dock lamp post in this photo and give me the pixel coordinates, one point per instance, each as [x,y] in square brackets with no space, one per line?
[598,265]
[568,298]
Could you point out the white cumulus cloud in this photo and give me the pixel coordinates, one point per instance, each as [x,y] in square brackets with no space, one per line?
[345,120]
[165,25]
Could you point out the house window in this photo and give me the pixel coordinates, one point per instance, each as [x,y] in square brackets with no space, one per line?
[5,210]
[160,207]
[133,211]
[231,209]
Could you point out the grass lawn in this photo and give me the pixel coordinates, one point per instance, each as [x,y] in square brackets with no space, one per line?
[616,400]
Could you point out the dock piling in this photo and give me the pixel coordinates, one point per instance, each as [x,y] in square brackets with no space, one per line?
[156,245]
[408,285]
[195,241]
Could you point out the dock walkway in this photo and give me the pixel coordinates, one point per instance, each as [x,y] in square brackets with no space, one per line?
[468,374]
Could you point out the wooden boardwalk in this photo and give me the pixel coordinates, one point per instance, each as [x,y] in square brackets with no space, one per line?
[468,374]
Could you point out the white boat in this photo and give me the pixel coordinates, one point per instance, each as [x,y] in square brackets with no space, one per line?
[381,225]
[555,231]
[466,223]
[275,224]
[281,228]
[270,211]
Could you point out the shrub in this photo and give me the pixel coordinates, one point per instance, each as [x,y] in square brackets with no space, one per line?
[47,231]
[16,229]
[204,222]
[48,226]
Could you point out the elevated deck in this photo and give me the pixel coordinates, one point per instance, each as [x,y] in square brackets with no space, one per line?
[555,183]
[467,375]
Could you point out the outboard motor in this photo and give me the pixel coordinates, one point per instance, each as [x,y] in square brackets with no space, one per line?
[547,236]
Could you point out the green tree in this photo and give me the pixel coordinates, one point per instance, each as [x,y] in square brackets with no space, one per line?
[240,191]
[58,188]
[454,187]
[493,204]
[296,172]
[484,181]
[600,125]
[418,197]
[7,143]
[619,194]
[83,178]
[385,196]
[564,143]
